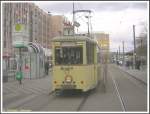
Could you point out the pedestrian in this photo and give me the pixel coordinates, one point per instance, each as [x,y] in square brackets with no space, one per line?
[127,64]
[131,64]
[46,67]
[138,64]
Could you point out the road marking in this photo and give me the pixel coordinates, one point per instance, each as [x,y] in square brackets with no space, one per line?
[134,80]
[118,94]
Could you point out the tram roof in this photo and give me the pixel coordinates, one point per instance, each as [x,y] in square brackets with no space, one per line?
[73,38]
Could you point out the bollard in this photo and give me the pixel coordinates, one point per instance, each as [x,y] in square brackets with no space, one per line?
[19,76]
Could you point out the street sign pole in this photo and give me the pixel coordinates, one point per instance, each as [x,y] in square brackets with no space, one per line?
[20,40]
[20,68]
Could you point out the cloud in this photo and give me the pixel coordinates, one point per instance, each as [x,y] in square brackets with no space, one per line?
[63,7]
[119,6]
[115,18]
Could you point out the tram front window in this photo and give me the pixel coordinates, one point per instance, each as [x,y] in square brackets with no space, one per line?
[68,55]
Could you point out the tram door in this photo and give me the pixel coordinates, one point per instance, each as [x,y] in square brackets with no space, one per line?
[91,60]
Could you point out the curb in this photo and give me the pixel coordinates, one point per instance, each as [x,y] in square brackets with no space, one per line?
[134,76]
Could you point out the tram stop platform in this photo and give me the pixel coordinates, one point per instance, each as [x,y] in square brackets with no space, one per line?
[138,74]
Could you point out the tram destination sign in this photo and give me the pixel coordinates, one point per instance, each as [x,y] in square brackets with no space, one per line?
[68,44]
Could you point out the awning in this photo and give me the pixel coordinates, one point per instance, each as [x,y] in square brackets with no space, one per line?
[36,47]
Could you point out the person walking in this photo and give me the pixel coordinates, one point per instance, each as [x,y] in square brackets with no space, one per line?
[46,67]
[138,64]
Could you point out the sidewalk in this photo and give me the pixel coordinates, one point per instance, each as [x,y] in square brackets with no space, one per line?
[16,95]
[138,74]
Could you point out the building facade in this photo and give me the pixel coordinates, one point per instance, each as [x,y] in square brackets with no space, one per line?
[104,44]
[40,26]
[141,49]
[34,19]
[57,25]
[7,31]
[37,21]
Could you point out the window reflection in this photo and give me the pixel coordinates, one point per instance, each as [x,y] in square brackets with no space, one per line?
[68,55]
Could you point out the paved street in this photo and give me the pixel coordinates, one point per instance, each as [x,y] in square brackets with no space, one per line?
[123,93]
[133,92]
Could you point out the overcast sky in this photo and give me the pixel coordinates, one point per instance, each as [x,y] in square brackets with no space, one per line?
[115,18]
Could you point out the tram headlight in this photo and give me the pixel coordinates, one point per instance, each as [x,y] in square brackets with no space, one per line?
[68,79]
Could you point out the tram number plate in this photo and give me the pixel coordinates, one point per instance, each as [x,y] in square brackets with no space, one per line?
[68,86]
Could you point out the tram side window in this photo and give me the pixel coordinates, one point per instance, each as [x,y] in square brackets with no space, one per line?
[90,53]
[68,55]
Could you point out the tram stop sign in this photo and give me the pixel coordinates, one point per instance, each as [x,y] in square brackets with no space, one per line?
[19,75]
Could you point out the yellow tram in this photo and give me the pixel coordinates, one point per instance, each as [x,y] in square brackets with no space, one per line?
[76,63]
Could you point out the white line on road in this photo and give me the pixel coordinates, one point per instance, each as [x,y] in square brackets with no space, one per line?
[118,94]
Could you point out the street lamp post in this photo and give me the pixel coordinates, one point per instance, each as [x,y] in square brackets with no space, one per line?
[119,54]
[134,52]
[123,53]
[117,58]
[73,20]
[20,67]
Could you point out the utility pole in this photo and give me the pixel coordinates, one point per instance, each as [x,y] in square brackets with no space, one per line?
[119,53]
[91,26]
[123,52]
[141,43]
[117,58]
[134,52]
[88,26]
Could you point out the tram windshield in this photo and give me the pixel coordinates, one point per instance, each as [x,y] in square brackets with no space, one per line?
[68,55]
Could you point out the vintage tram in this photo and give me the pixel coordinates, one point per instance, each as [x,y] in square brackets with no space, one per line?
[76,63]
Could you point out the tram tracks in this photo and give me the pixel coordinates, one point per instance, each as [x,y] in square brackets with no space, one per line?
[139,80]
[120,88]
[83,101]
[133,78]
[103,85]
[123,107]
[118,94]
[73,101]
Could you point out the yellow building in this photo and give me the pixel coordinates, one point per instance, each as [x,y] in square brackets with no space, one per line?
[103,42]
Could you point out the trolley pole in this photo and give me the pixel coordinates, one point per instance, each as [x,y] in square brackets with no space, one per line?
[119,53]
[73,20]
[134,52]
